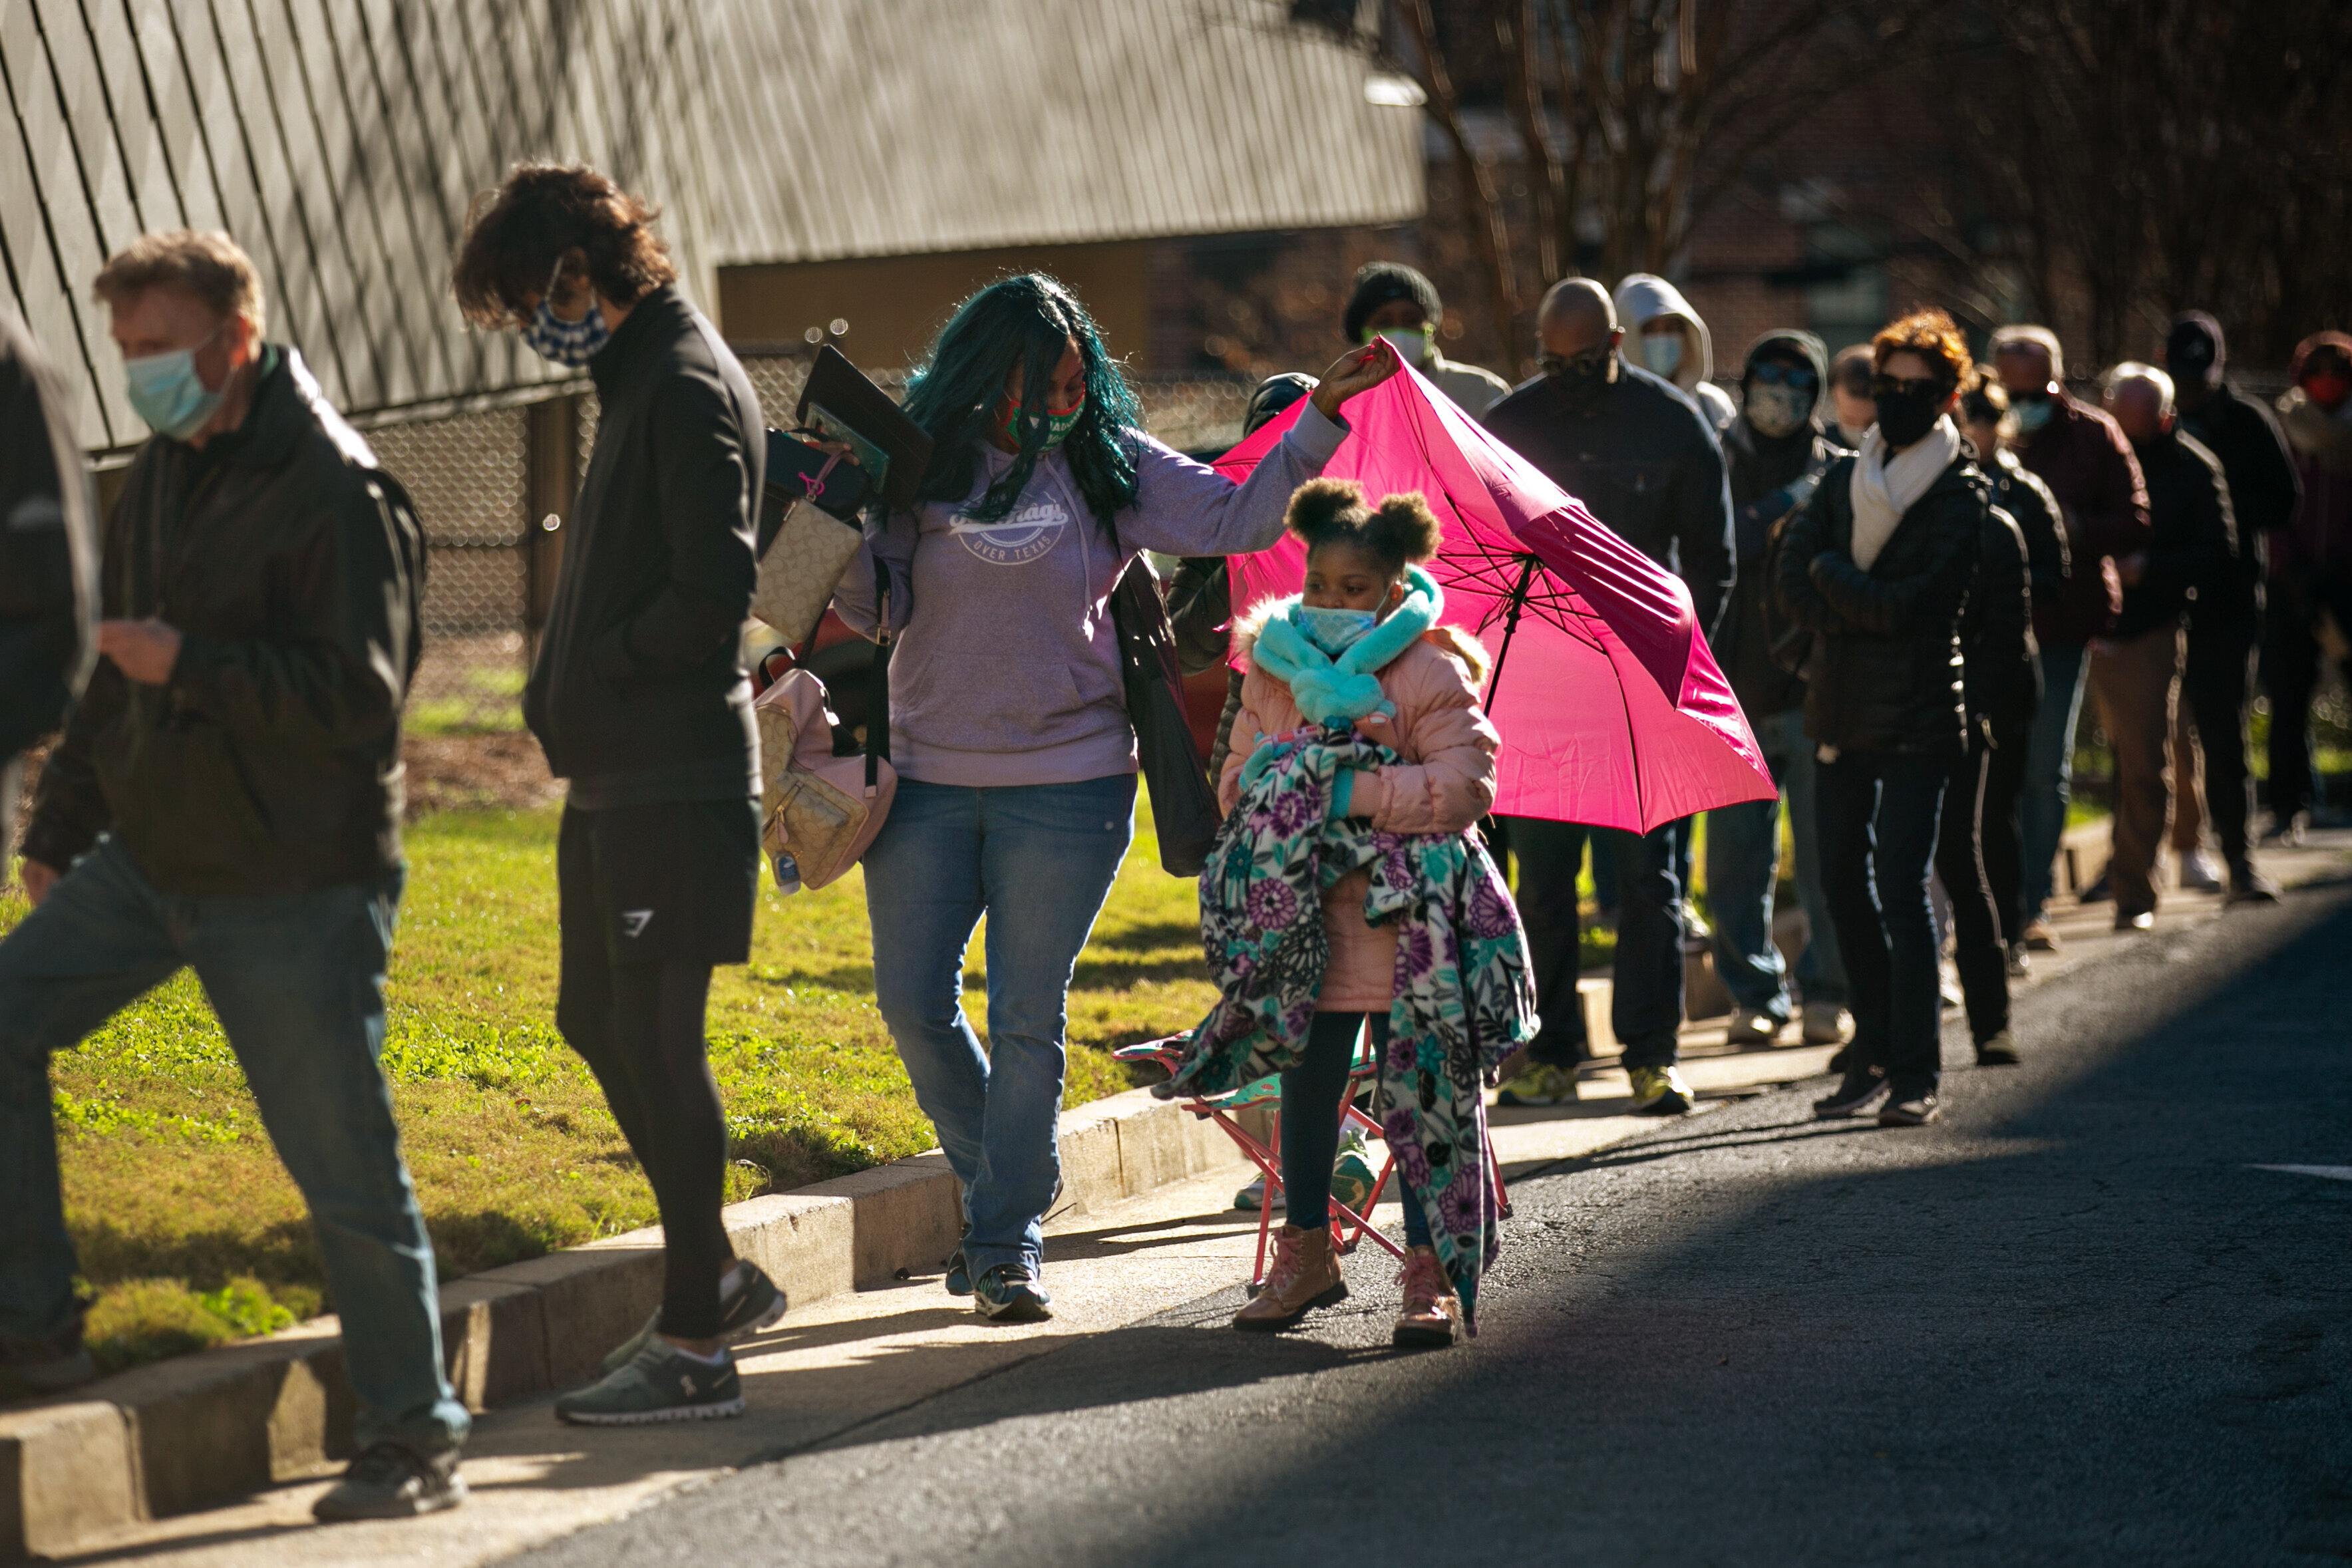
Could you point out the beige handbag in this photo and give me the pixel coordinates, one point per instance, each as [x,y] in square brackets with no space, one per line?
[802,563]
[817,809]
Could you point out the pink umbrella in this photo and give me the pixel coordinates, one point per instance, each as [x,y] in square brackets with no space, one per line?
[1616,713]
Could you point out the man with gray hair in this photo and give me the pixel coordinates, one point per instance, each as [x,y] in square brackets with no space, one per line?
[2191,551]
[2079,453]
[227,799]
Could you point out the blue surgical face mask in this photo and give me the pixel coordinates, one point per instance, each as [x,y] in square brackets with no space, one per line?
[2031,413]
[1335,630]
[572,343]
[166,392]
[1662,354]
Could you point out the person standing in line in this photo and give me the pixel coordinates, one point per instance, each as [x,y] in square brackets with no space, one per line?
[1389,299]
[1850,375]
[1774,453]
[2191,553]
[1880,566]
[2225,629]
[640,699]
[1009,727]
[1644,460]
[2027,503]
[2311,569]
[2079,453]
[1976,846]
[227,799]
[1666,338]
[48,577]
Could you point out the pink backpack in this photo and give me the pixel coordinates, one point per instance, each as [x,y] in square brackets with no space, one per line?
[819,809]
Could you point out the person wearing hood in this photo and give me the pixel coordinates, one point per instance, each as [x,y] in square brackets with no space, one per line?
[2076,450]
[1665,337]
[2311,569]
[1391,300]
[1644,460]
[2225,628]
[1774,453]
[1879,566]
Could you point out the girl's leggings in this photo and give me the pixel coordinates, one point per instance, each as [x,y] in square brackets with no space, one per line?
[1311,1092]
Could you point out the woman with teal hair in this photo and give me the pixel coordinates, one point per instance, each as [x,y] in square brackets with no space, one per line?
[1008,719]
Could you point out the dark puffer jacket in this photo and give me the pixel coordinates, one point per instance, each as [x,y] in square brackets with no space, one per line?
[2020,492]
[2003,679]
[1770,477]
[1885,671]
[293,569]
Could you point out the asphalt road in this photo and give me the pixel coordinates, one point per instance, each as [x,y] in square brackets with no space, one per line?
[2071,1324]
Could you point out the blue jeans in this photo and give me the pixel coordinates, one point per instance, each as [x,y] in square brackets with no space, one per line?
[1646,1011]
[1038,861]
[1743,861]
[2050,768]
[1311,1094]
[1880,815]
[297,982]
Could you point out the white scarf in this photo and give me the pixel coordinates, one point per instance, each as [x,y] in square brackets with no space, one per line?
[1883,488]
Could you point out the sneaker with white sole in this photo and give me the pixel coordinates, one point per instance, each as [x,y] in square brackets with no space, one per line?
[1910,1111]
[662,1383]
[1011,1294]
[1251,1200]
[748,1302]
[1852,1097]
[1752,1026]
[1660,1092]
[2200,872]
[393,1480]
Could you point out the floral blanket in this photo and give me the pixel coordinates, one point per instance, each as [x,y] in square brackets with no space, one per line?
[1464,998]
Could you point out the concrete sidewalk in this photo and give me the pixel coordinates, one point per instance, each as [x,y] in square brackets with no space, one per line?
[840,1362]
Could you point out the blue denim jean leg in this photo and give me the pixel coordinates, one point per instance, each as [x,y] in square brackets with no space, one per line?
[1743,860]
[1037,860]
[297,982]
[2050,769]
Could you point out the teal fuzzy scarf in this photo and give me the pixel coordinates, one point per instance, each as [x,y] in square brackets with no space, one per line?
[1343,690]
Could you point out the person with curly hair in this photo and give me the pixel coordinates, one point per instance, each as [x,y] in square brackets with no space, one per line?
[1009,729]
[1879,565]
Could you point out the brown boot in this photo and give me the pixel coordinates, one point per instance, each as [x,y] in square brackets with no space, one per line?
[1304,1276]
[1431,1318]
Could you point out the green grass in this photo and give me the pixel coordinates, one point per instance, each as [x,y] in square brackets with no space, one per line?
[191,1232]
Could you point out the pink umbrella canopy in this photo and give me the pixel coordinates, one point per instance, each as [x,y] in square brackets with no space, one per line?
[1612,710]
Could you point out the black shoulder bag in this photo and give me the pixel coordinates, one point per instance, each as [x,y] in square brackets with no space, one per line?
[1183,807]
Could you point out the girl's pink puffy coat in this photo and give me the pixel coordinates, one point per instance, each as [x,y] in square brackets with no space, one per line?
[1444,784]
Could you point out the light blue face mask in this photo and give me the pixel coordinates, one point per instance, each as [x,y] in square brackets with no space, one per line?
[1662,355]
[2032,412]
[166,392]
[551,338]
[1335,630]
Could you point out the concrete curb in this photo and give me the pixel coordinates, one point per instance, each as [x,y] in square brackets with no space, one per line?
[198,1430]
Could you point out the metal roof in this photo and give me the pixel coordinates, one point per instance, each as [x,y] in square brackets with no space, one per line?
[340,140]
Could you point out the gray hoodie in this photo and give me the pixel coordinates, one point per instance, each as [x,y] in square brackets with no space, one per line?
[1007,671]
[1642,297]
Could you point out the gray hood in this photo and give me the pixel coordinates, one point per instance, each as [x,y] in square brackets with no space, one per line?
[1643,296]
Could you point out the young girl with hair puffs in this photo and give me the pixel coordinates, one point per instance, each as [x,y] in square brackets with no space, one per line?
[1364,714]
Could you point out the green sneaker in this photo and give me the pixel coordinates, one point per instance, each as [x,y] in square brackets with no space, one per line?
[756,1303]
[1251,1198]
[1539,1085]
[1352,1173]
[662,1383]
[1660,1092]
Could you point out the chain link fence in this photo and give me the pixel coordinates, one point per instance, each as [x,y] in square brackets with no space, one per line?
[482,500]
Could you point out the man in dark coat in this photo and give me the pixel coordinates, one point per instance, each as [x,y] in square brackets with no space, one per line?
[2311,570]
[2191,554]
[227,799]
[1775,451]
[1642,458]
[48,554]
[2224,631]
[2077,450]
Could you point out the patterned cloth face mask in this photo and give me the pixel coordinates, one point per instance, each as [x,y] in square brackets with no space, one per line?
[1335,630]
[572,343]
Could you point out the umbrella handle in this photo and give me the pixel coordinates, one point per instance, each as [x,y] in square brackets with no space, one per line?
[1527,565]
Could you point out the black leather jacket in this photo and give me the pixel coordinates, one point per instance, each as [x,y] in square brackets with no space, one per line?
[293,569]
[1885,673]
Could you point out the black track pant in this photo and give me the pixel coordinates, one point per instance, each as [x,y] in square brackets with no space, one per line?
[1977,855]
[652,898]
[2216,683]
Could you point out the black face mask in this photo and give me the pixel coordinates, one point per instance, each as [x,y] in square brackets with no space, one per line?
[1905,417]
[1580,381]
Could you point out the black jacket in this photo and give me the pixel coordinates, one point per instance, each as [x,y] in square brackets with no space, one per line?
[2264,489]
[47,553]
[2192,541]
[1644,460]
[2003,679]
[1885,672]
[639,693]
[2020,492]
[1770,477]
[292,568]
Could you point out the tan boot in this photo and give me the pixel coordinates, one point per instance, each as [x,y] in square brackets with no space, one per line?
[1304,1276]
[1431,1318]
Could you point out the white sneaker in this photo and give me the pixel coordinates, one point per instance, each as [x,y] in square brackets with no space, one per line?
[1827,1023]
[2200,872]
[1251,1198]
[1750,1027]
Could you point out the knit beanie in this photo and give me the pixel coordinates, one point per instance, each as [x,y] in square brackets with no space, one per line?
[1378,282]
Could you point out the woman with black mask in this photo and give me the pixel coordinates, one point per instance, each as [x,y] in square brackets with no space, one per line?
[1879,566]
